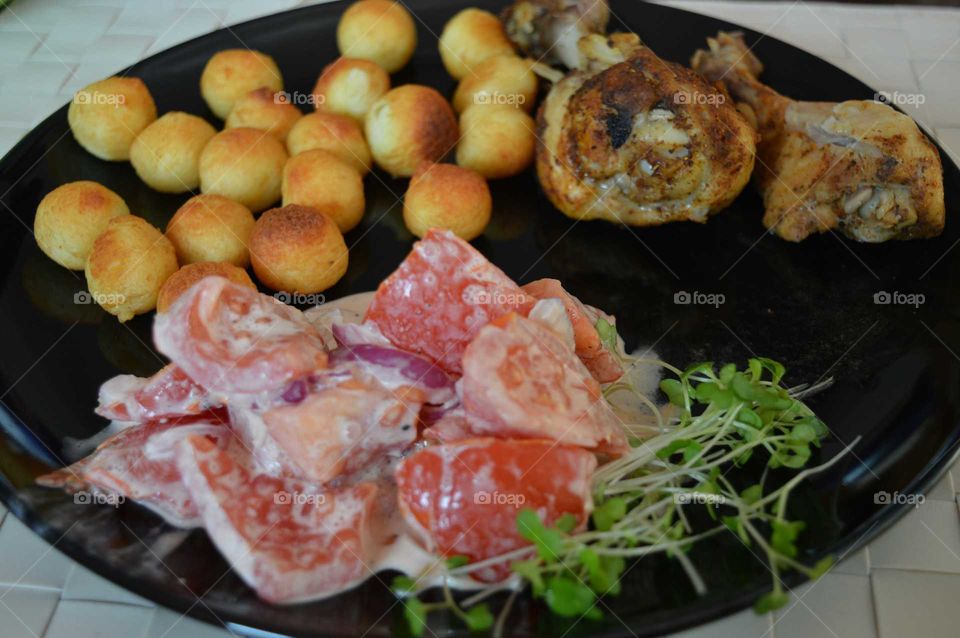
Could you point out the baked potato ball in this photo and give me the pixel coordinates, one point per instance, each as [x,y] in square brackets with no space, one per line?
[409,125]
[128,264]
[448,197]
[496,141]
[469,38]
[232,73]
[166,154]
[182,280]
[349,86]
[297,249]
[211,228]
[500,80]
[266,110]
[106,116]
[70,217]
[323,181]
[244,164]
[381,31]
[337,134]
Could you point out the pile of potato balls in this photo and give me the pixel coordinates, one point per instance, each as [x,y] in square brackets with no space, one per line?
[314,165]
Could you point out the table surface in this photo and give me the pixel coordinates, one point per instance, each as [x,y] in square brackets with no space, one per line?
[905,584]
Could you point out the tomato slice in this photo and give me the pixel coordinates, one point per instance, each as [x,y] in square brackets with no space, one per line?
[229,338]
[521,380]
[168,393]
[463,498]
[440,296]
[602,364]
[288,540]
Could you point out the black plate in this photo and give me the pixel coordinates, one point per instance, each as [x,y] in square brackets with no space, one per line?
[810,305]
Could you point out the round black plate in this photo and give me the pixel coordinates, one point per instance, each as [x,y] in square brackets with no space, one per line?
[812,306]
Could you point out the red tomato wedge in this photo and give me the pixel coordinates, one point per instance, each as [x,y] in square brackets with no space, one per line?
[168,393]
[521,380]
[440,296]
[139,463]
[602,364]
[229,338]
[343,428]
[287,540]
[463,498]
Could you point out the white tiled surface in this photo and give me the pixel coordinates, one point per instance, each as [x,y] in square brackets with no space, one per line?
[906,584]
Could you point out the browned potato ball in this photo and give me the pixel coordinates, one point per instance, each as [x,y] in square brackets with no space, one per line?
[496,141]
[232,73]
[337,134]
[409,125]
[298,249]
[211,228]
[348,86]
[265,110]
[502,79]
[70,217]
[381,31]
[322,180]
[448,197]
[166,154]
[244,164]
[182,280]
[106,116]
[469,38]
[128,264]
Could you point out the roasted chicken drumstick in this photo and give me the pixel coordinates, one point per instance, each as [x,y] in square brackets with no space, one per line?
[857,166]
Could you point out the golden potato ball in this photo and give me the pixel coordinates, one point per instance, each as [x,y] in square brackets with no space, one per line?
[266,110]
[70,217]
[166,154]
[349,86]
[409,125]
[106,116]
[245,165]
[496,141]
[323,181]
[128,264]
[232,73]
[298,249]
[337,134]
[182,280]
[448,197]
[469,38]
[211,228]
[381,31]
[500,80]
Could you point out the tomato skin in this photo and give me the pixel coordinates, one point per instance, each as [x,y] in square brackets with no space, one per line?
[463,498]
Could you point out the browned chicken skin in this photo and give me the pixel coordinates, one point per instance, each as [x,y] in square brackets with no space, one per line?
[548,30]
[631,138]
[857,166]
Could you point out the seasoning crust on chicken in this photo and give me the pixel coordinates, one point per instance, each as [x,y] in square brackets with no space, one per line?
[857,166]
[631,138]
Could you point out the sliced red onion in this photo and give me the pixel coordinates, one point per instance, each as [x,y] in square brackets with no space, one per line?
[295,392]
[384,363]
[349,334]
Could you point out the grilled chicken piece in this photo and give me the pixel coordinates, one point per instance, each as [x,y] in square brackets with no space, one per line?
[631,138]
[858,166]
[548,30]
